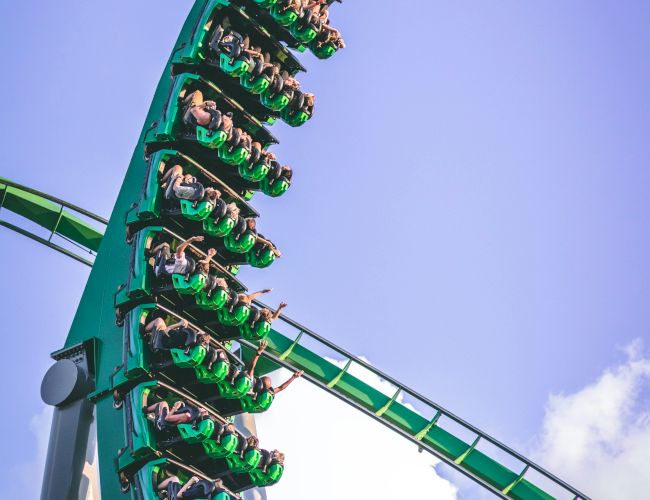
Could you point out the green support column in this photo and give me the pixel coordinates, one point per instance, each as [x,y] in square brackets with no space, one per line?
[95,317]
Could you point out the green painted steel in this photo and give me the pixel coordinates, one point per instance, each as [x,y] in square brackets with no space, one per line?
[431,435]
[57,217]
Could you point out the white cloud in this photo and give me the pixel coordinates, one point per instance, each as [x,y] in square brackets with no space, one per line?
[599,437]
[333,448]
[27,476]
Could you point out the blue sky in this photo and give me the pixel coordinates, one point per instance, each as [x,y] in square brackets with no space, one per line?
[470,205]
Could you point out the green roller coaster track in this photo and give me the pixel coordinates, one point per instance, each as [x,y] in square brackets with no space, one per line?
[100,342]
[285,350]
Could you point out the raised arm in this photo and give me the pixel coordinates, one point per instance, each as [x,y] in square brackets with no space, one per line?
[254,295]
[270,244]
[157,323]
[276,314]
[251,366]
[193,480]
[180,250]
[181,324]
[206,260]
[293,377]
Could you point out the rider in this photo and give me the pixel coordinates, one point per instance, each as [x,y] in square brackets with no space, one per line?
[204,113]
[177,263]
[195,488]
[285,5]
[330,35]
[180,413]
[186,187]
[261,384]
[212,354]
[260,241]
[176,336]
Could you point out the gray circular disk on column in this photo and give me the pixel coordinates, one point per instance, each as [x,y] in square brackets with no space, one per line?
[61,383]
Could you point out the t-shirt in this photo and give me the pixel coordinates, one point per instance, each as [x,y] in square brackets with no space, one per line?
[177,265]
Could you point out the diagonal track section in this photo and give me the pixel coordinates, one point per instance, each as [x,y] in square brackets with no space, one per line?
[58,217]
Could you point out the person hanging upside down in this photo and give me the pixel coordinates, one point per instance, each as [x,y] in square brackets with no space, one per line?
[251,442]
[178,262]
[262,243]
[289,81]
[269,316]
[330,35]
[195,488]
[215,282]
[285,5]
[203,113]
[212,354]
[176,336]
[243,298]
[180,413]
[251,226]
[320,8]
[186,187]
[203,265]
[265,383]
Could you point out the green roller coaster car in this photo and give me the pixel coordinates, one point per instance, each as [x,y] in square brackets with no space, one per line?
[242,244]
[254,85]
[275,101]
[259,331]
[233,156]
[236,317]
[191,359]
[152,199]
[260,404]
[151,474]
[221,448]
[172,128]
[236,67]
[220,227]
[250,461]
[283,18]
[325,51]
[304,34]
[188,285]
[144,442]
[211,139]
[295,118]
[196,210]
[217,373]
[275,187]
[262,258]
[214,302]
[269,477]
[236,390]
[253,173]
[196,434]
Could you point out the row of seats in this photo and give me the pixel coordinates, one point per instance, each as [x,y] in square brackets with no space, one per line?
[220,219]
[211,292]
[277,89]
[189,348]
[215,130]
[308,22]
[162,418]
[219,129]
[175,420]
[164,479]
